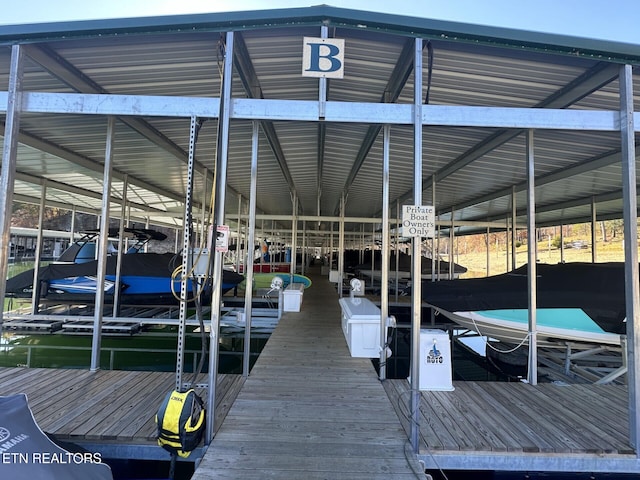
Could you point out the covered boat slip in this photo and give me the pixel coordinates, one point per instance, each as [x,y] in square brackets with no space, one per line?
[212,120]
[310,410]
[108,411]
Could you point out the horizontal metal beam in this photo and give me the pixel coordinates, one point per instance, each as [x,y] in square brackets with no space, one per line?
[301,110]
[135,216]
[120,105]
[532,462]
[370,220]
[432,115]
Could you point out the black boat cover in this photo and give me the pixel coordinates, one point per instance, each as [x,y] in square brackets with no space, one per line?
[139,264]
[26,453]
[597,288]
[405,263]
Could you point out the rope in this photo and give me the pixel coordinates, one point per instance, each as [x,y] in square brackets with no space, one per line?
[485,337]
[488,344]
[405,414]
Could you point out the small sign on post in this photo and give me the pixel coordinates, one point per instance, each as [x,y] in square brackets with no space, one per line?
[222,238]
[418,221]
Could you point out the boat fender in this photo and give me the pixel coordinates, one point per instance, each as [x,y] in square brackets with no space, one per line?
[181,421]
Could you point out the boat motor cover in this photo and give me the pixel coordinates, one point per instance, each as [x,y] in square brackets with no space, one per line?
[26,453]
[180,422]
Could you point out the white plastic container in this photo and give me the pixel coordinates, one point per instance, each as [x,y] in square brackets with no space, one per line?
[201,259]
[361,326]
[292,297]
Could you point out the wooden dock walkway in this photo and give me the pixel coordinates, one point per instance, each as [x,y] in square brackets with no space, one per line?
[104,408]
[308,410]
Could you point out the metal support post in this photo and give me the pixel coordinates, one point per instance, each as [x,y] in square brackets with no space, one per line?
[488,255]
[632,287]
[102,250]
[121,249]
[594,225]
[386,254]
[514,264]
[341,245]
[35,296]
[416,280]
[248,292]
[239,242]
[532,375]
[294,235]
[220,189]
[451,241]
[433,240]
[187,232]
[9,156]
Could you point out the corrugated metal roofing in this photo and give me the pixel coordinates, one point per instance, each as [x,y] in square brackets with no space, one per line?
[182,56]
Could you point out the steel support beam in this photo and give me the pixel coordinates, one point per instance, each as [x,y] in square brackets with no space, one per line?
[386,254]
[187,255]
[248,268]
[222,155]
[532,371]
[9,156]
[632,287]
[416,243]
[35,296]
[102,250]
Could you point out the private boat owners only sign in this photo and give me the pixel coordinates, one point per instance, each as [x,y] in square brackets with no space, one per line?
[418,221]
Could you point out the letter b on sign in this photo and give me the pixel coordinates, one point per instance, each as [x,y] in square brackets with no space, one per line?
[323,57]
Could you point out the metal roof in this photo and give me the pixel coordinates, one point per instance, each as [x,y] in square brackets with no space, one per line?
[475,166]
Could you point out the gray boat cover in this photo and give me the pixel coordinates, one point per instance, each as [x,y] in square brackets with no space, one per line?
[27,453]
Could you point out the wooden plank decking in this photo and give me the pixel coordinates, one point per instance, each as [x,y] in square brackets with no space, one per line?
[107,406]
[308,410]
[498,425]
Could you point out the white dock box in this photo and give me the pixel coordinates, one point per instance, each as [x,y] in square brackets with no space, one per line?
[292,297]
[361,326]
[435,360]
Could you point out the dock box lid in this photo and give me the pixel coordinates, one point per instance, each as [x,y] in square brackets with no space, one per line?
[359,308]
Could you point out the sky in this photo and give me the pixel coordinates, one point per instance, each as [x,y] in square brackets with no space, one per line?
[615,20]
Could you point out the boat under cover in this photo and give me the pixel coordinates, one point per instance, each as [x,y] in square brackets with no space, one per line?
[552,324]
[404,266]
[145,278]
[597,289]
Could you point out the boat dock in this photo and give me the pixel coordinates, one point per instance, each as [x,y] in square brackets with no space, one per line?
[514,426]
[309,410]
[108,411]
